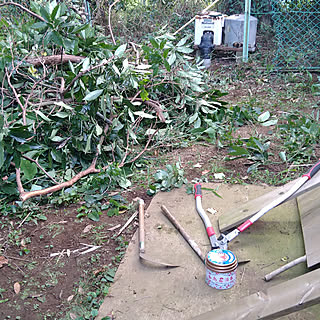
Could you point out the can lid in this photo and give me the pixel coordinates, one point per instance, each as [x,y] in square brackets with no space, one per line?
[221,257]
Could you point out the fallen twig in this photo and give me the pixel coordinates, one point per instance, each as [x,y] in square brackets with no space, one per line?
[127,223]
[55,59]
[287,266]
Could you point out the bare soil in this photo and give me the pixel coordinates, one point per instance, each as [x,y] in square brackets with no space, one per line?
[56,287]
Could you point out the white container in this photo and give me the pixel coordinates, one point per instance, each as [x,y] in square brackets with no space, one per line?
[234,31]
[211,21]
[221,269]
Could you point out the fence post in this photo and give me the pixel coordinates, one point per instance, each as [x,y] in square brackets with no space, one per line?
[246,30]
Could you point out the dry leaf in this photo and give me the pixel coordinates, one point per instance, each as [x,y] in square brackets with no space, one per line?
[16,287]
[23,243]
[87,228]
[197,165]
[68,252]
[219,176]
[3,261]
[70,298]
[205,172]
[81,290]
[73,316]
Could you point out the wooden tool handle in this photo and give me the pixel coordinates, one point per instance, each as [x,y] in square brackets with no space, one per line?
[141,226]
[177,225]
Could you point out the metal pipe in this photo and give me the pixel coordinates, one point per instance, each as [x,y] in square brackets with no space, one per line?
[246,30]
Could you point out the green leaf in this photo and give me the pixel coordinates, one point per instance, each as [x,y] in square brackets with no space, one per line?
[28,168]
[154,43]
[167,65]
[1,154]
[61,115]
[120,50]
[54,12]
[94,216]
[182,42]
[45,14]
[238,151]
[93,95]
[57,39]
[88,144]
[193,118]
[99,130]
[264,116]
[271,122]
[124,183]
[282,155]
[172,58]
[185,49]
[142,114]
[39,25]
[42,115]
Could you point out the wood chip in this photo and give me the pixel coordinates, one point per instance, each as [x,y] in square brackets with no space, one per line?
[16,287]
[87,228]
[70,298]
[3,261]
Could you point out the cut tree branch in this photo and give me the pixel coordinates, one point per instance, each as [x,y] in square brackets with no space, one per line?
[24,9]
[54,59]
[27,195]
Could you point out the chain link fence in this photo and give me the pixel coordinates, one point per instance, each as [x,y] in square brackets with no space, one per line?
[296,29]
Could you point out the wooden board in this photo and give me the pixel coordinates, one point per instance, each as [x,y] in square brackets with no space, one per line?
[235,217]
[285,298]
[309,208]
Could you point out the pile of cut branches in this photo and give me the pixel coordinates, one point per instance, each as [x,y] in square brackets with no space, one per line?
[74,104]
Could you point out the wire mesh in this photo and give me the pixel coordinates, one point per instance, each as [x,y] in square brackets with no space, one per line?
[297,31]
[296,27]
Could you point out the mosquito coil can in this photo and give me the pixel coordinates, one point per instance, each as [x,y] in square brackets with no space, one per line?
[221,268]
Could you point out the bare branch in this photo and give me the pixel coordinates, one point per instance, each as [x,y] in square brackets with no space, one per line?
[24,9]
[40,167]
[27,195]
[24,110]
[109,20]
[54,59]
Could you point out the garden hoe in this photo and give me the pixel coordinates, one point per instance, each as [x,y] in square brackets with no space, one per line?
[223,240]
[142,255]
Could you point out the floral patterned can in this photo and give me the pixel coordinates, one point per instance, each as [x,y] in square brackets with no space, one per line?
[221,269]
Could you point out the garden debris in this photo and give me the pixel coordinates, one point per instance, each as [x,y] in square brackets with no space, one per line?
[87,228]
[17,287]
[114,228]
[3,261]
[87,247]
[127,223]
[212,211]
[287,266]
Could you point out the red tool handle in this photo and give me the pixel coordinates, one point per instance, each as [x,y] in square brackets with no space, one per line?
[308,175]
[197,190]
[313,170]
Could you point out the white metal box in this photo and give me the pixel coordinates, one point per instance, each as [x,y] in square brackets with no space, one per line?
[211,21]
[233,31]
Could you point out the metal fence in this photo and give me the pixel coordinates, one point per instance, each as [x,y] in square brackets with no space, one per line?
[296,27]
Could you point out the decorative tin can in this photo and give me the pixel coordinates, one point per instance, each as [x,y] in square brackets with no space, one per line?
[221,268]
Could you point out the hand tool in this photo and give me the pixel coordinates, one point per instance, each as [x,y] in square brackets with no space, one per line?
[223,240]
[177,225]
[210,231]
[142,241]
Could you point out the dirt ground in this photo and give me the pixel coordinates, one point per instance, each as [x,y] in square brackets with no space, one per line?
[35,286]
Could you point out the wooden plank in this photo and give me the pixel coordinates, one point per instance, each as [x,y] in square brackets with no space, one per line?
[309,208]
[240,214]
[277,301]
